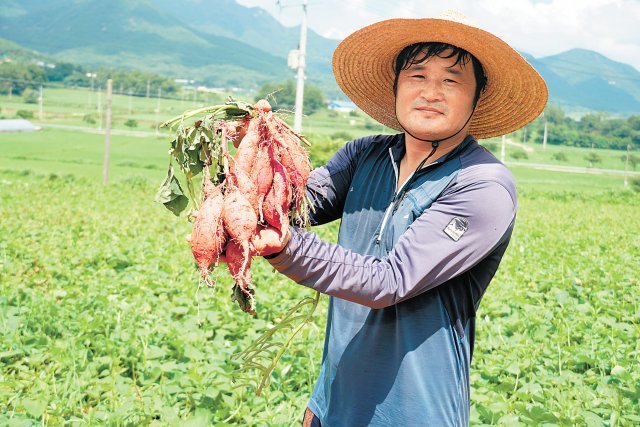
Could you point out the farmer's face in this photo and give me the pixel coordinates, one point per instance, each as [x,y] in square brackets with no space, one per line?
[435,98]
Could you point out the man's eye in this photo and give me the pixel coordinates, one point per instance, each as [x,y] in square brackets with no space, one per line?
[450,81]
[418,76]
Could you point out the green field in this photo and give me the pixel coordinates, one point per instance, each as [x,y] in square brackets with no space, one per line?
[78,107]
[103,321]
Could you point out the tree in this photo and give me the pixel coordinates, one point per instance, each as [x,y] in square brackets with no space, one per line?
[593,158]
[61,71]
[283,96]
[131,123]
[559,156]
[554,114]
[633,160]
[17,77]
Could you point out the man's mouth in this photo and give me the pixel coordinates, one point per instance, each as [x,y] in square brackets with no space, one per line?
[429,110]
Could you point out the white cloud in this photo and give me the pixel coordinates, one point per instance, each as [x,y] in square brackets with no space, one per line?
[537,27]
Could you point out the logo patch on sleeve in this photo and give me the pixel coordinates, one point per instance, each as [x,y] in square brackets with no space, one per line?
[456,228]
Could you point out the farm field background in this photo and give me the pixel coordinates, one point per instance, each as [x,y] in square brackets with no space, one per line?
[103,322]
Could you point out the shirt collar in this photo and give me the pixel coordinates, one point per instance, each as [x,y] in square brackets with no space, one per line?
[398,149]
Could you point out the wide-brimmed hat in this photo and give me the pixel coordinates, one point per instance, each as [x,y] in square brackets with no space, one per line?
[363,63]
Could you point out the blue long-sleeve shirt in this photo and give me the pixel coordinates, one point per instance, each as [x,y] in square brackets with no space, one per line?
[405,279]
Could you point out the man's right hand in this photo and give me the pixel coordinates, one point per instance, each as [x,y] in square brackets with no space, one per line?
[269,240]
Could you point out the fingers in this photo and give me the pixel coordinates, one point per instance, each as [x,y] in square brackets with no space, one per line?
[269,240]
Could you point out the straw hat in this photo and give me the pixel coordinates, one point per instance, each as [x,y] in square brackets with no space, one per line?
[363,62]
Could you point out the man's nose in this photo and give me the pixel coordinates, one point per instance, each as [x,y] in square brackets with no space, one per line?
[432,91]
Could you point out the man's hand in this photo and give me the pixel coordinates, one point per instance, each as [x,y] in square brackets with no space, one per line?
[269,240]
[266,241]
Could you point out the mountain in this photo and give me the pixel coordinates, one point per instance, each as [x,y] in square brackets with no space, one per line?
[252,25]
[135,34]
[223,43]
[587,87]
[9,49]
[595,81]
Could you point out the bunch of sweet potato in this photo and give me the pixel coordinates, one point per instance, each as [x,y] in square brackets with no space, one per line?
[263,186]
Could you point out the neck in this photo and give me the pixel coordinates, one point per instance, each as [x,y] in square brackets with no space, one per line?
[417,150]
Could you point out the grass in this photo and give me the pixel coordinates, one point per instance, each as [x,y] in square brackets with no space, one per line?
[102,320]
[73,107]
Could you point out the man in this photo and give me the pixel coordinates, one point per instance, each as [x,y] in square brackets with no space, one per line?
[426,216]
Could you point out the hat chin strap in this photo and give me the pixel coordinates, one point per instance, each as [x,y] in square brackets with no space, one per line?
[435,143]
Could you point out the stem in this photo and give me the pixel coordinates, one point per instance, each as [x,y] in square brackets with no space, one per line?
[192,192]
[212,109]
[265,377]
[300,137]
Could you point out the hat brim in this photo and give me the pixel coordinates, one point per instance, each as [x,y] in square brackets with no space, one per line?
[363,63]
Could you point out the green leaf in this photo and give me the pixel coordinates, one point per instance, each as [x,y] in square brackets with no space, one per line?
[514,368]
[155,352]
[621,372]
[171,195]
[592,420]
[35,408]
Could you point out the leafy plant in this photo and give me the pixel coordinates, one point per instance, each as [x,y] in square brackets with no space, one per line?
[30,96]
[559,156]
[342,136]
[24,114]
[491,146]
[593,158]
[633,160]
[519,155]
[131,123]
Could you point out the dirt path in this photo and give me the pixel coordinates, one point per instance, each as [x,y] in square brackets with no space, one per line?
[524,147]
[573,169]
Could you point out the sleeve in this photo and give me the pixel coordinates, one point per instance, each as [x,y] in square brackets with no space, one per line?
[424,257]
[328,185]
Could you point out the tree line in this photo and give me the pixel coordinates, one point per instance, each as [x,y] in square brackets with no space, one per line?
[593,130]
[16,77]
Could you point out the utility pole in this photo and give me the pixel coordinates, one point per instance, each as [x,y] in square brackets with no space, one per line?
[626,167]
[544,137]
[99,107]
[302,48]
[504,141]
[107,136]
[40,102]
[91,76]
[148,87]
[158,112]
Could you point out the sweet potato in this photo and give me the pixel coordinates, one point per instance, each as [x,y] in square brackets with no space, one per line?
[248,148]
[262,175]
[278,200]
[241,272]
[208,235]
[240,220]
[239,178]
[263,181]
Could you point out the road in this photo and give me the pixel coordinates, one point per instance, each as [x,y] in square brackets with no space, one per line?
[139,133]
[573,169]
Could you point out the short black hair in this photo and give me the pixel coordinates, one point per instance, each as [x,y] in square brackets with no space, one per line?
[420,52]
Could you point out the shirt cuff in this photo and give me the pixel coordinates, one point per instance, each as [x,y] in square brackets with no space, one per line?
[280,258]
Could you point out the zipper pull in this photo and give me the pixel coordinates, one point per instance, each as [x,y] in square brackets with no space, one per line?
[399,202]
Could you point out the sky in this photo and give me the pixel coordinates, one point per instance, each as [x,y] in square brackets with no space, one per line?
[537,27]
